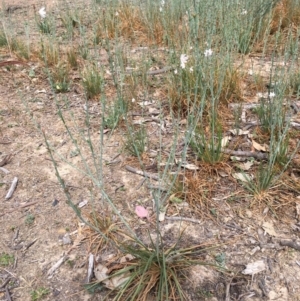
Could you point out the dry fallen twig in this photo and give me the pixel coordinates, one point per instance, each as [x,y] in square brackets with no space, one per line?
[12,188]
[90,268]
[30,244]
[289,243]
[4,170]
[5,160]
[7,294]
[8,63]
[151,72]
[56,265]
[4,142]
[22,206]
[256,155]
[179,218]
[142,173]
[3,285]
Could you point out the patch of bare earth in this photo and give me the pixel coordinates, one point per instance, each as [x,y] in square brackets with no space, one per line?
[40,229]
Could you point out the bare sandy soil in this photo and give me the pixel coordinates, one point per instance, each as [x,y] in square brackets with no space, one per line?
[39,228]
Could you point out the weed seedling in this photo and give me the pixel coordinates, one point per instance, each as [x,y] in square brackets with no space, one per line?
[29,219]
[39,293]
[6,259]
[3,39]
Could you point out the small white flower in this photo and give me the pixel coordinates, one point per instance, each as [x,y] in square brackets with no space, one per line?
[175,71]
[191,69]
[272,95]
[42,12]
[259,95]
[133,100]
[208,52]
[160,9]
[162,3]
[183,60]
[244,12]
[191,48]
[117,14]
[250,72]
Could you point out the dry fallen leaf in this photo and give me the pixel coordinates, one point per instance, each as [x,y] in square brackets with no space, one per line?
[190,166]
[243,115]
[146,103]
[258,146]
[100,272]
[142,120]
[235,158]
[254,267]
[82,203]
[161,216]
[282,294]
[126,258]
[154,111]
[224,141]
[116,281]
[222,174]
[245,166]
[269,228]
[242,177]
[238,132]
[186,165]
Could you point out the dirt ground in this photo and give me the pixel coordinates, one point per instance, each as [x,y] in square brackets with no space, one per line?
[39,228]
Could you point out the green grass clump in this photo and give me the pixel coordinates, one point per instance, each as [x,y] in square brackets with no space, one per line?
[92,81]
[114,112]
[6,259]
[29,220]
[60,79]
[39,293]
[156,271]
[208,145]
[136,141]
[3,39]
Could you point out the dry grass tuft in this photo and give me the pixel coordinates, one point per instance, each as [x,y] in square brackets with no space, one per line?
[49,53]
[139,27]
[184,97]
[275,201]
[285,14]
[199,187]
[106,226]
[232,87]
[126,22]
[72,57]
